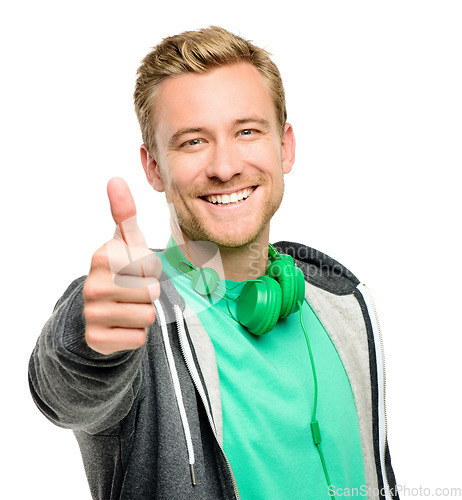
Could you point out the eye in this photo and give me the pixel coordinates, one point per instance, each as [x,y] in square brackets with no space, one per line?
[194,142]
[247,131]
[191,143]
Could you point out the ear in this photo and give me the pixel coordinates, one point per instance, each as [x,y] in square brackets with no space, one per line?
[151,169]
[288,148]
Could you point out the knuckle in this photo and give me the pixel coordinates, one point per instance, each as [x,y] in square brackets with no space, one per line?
[100,258]
[93,290]
[88,289]
[153,288]
[152,265]
[158,267]
[96,340]
[139,337]
[150,316]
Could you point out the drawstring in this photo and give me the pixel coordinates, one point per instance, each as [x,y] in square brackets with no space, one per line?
[176,385]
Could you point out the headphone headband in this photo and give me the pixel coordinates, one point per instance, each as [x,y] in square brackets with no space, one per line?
[261,302]
[176,257]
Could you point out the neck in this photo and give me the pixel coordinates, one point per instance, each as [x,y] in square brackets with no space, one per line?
[245,263]
[232,263]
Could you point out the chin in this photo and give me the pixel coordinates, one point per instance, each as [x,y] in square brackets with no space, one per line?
[230,232]
[224,237]
[234,242]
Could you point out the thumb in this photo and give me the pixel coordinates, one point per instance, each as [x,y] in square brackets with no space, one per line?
[123,211]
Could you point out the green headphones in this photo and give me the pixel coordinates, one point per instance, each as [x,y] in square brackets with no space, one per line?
[262,301]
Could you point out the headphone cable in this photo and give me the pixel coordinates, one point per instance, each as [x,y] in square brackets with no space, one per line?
[314,423]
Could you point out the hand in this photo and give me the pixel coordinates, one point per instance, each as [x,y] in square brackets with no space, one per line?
[122,282]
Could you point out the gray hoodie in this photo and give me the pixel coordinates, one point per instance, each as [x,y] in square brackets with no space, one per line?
[148,421]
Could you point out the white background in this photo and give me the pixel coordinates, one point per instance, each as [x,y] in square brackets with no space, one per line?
[374,95]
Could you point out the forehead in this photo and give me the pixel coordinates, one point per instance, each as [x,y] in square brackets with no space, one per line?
[216,97]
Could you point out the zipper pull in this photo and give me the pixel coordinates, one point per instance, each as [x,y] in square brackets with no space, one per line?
[193,474]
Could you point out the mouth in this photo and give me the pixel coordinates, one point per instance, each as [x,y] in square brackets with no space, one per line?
[230,198]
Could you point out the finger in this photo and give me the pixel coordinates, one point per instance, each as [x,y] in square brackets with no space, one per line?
[123,211]
[135,261]
[123,315]
[146,290]
[110,340]
[101,289]
[134,282]
[148,266]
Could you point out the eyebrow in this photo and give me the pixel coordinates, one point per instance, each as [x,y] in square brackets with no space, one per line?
[184,131]
[196,130]
[252,119]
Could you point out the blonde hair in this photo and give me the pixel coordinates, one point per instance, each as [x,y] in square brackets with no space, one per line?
[198,52]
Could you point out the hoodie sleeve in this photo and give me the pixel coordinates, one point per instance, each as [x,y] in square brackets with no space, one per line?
[74,386]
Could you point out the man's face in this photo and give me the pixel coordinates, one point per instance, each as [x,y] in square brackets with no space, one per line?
[220,158]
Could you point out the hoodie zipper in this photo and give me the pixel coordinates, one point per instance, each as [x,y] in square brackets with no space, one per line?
[187,355]
[370,302]
[177,389]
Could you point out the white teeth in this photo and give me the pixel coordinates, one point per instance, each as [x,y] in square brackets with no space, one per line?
[225,199]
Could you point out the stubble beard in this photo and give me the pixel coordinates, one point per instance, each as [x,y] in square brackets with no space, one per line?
[197,230]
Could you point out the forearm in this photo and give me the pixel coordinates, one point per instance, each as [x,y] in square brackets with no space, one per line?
[74,386]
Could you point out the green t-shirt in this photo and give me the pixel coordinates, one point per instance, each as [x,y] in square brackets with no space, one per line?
[267,395]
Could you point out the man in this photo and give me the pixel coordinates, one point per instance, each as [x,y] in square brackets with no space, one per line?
[233,385]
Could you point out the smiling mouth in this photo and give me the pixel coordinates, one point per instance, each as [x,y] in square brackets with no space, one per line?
[226,199]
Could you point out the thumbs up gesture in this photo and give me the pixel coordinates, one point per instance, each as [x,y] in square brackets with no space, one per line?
[122,282]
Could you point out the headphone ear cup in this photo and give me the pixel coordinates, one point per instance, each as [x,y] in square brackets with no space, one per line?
[259,305]
[284,273]
[292,283]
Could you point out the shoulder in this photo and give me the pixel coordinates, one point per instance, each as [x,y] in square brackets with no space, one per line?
[320,269]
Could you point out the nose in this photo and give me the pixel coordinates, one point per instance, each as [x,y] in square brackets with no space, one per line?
[224,163]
